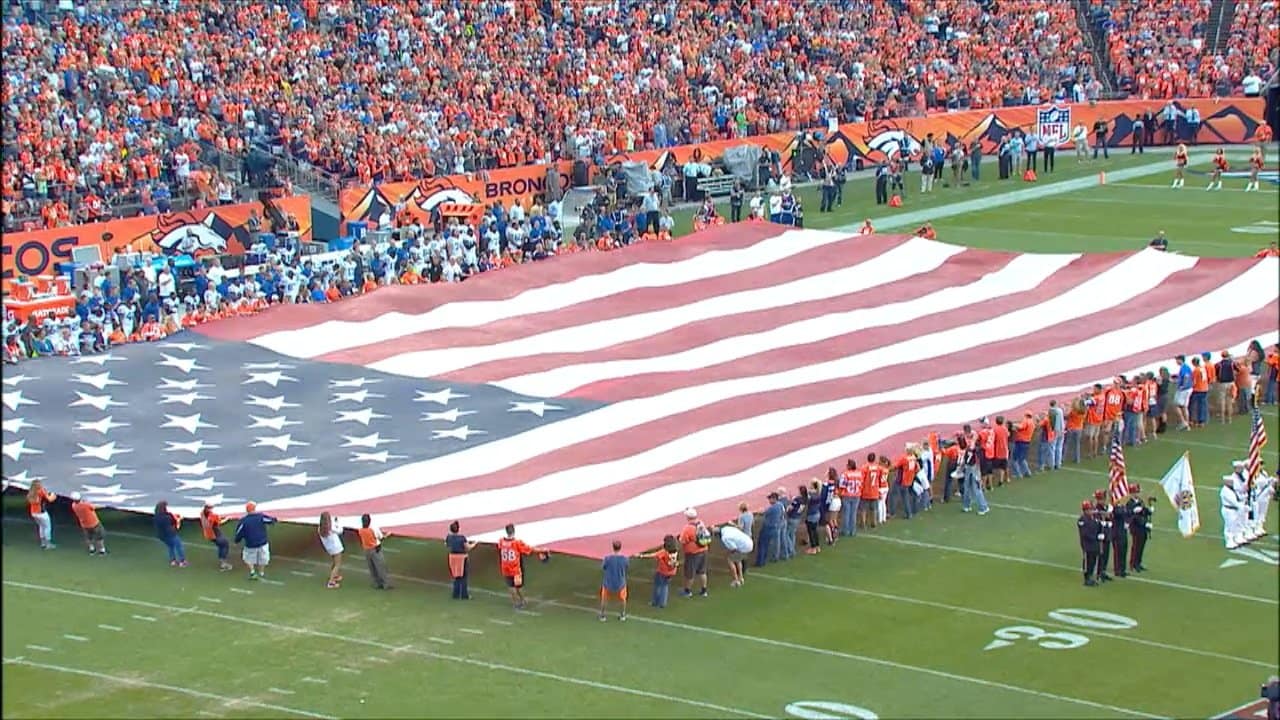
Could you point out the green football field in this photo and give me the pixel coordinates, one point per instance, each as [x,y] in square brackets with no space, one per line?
[946,615]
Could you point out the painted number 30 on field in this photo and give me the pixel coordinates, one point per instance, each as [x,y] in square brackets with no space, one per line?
[1060,640]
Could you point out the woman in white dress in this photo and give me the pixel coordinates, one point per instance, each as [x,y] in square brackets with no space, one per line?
[331,538]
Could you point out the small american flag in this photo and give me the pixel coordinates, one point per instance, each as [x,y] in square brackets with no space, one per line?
[1257,440]
[1119,481]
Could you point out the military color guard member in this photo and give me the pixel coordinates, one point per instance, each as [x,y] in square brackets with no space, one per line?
[1091,535]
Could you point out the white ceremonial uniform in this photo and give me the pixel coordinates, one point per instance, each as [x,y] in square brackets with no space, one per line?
[1229,503]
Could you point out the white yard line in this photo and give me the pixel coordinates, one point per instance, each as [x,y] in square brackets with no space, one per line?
[112,628]
[281,691]
[306,632]
[204,598]
[470,631]
[242,591]
[347,670]
[1073,568]
[134,682]
[144,618]
[76,638]
[496,621]
[315,681]
[442,641]
[1124,638]
[40,648]
[302,573]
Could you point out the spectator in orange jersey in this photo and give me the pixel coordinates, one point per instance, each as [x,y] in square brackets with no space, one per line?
[1074,429]
[926,231]
[371,541]
[667,562]
[1112,410]
[511,554]
[410,276]
[211,528]
[38,499]
[1095,414]
[369,284]
[1198,409]
[1269,251]
[1020,457]
[869,500]
[87,518]
[866,228]
[695,538]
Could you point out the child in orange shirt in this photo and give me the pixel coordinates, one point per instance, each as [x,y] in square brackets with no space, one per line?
[668,560]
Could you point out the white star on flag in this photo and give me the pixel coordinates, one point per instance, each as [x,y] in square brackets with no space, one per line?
[272,378]
[537,407]
[102,452]
[103,426]
[381,456]
[362,416]
[370,441]
[205,484]
[461,433]
[102,489]
[185,398]
[267,366]
[110,471]
[23,480]
[289,462]
[200,468]
[274,404]
[355,396]
[279,442]
[184,347]
[14,400]
[16,380]
[99,381]
[190,423]
[186,365]
[353,383]
[117,500]
[98,360]
[450,415]
[15,450]
[441,397]
[184,385]
[214,500]
[275,423]
[193,447]
[101,402]
[300,479]
[15,424]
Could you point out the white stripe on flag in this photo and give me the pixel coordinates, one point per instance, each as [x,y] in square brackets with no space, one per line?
[914,257]
[336,335]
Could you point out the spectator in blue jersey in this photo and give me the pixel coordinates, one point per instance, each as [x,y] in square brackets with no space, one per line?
[252,532]
[772,523]
[167,525]
[614,581]
[1182,395]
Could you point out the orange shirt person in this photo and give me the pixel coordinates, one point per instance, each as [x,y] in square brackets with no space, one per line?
[211,528]
[694,539]
[511,554]
[38,499]
[667,562]
[87,518]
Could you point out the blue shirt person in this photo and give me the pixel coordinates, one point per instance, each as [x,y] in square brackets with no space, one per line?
[458,547]
[252,531]
[614,583]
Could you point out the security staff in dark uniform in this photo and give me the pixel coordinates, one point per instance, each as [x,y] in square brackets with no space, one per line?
[1103,510]
[1091,535]
[882,184]
[828,202]
[1100,138]
[736,196]
[1050,152]
[1140,523]
[1119,539]
[797,214]
[1138,135]
[842,176]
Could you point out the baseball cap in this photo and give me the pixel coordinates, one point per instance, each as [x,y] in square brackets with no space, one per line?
[250,506]
[75,497]
[1086,505]
[773,496]
[690,513]
[1098,494]
[781,491]
[1134,488]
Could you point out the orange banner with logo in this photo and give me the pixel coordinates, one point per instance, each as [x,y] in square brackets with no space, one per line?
[222,229]
[1224,120]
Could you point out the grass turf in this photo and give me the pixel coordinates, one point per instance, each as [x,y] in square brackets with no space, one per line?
[894,622]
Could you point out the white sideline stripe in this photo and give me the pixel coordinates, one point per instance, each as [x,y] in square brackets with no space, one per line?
[375,658]
[281,691]
[143,618]
[1125,638]
[229,701]
[586,596]
[209,599]
[1075,569]
[112,628]
[496,621]
[915,256]
[1035,192]
[315,681]
[270,582]
[390,549]
[40,648]
[76,638]
[1023,273]
[242,591]
[442,641]
[306,632]
[471,631]
[336,335]
[1055,513]
[349,671]
[534,613]
[1257,285]
[302,573]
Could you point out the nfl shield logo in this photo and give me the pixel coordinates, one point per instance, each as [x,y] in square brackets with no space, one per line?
[1053,125]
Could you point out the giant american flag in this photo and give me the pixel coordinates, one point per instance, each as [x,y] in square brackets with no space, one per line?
[595,396]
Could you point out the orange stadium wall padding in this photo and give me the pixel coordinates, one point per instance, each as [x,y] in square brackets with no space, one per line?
[222,229]
[1223,120]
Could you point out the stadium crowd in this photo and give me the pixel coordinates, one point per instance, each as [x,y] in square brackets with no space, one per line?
[112,108]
